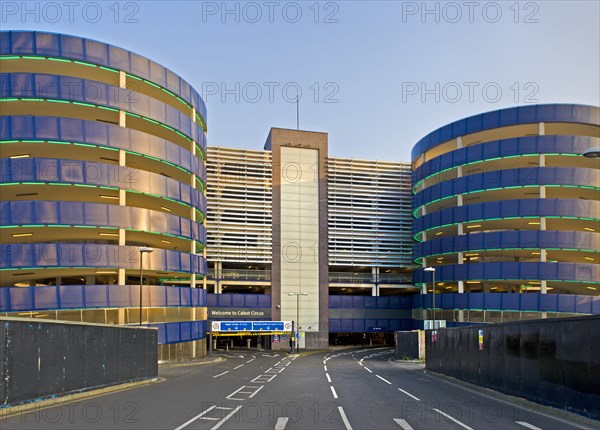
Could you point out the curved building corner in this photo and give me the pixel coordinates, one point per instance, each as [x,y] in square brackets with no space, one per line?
[506,202]
[102,156]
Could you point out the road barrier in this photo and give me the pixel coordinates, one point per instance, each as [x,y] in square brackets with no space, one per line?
[555,362]
[41,359]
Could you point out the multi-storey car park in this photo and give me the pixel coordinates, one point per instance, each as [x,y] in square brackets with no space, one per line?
[103,156]
[102,176]
[507,202]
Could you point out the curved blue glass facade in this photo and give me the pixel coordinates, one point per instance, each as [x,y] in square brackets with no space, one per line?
[103,152]
[505,201]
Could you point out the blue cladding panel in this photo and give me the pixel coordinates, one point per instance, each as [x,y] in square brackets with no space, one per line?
[98,174]
[513,270]
[508,178]
[506,117]
[13,299]
[76,48]
[509,239]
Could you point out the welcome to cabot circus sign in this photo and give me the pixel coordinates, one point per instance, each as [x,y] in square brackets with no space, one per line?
[215,313]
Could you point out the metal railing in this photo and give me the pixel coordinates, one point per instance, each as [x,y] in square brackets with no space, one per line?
[368,278]
[241,274]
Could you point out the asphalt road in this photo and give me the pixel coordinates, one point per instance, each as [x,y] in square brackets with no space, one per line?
[343,389]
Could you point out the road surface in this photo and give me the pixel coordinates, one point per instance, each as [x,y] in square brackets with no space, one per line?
[343,389]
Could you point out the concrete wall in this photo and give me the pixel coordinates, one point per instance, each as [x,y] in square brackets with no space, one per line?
[555,362]
[43,358]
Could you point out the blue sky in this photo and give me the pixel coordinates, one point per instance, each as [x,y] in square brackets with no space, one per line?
[377,76]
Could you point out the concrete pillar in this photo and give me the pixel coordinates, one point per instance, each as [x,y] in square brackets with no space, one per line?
[541,129]
[122,198]
[461,229]
[374,278]
[461,286]
[121,276]
[122,118]
[459,142]
[542,223]
[542,191]
[544,287]
[459,200]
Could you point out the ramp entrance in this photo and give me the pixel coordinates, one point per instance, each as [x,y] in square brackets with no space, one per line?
[225,335]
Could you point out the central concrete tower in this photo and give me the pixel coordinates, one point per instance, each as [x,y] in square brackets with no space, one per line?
[300,260]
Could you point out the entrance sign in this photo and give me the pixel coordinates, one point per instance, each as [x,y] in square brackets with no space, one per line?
[270,326]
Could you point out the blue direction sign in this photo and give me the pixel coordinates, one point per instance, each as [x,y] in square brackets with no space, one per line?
[236,326]
[267,326]
[281,326]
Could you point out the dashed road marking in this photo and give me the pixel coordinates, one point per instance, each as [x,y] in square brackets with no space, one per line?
[263,379]
[335,396]
[256,392]
[529,426]
[452,419]
[229,415]
[325,368]
[281,423]
[237,367]
[409,395]
[384,380]
[368,370]
[402,423]
[328,378]
[345,418]
[221,374]
[200,415]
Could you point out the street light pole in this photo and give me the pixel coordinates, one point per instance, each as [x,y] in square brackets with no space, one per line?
[297,326]
[432,269]
[143,250]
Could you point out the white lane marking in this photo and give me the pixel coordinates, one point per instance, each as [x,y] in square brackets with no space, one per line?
[230,397]
[281,423]
[409,395]
[452,419]
[266,378]
[384,380]
[238,367]
[325,367]
[328,378]
[256,392]
[335,396]
[229,415]
[345,418]
[368,370]
[402,423]
[221,374]
[185,424]
[529,426]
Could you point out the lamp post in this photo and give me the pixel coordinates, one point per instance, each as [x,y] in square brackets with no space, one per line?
[143,250]
[294,329]
[432,270]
